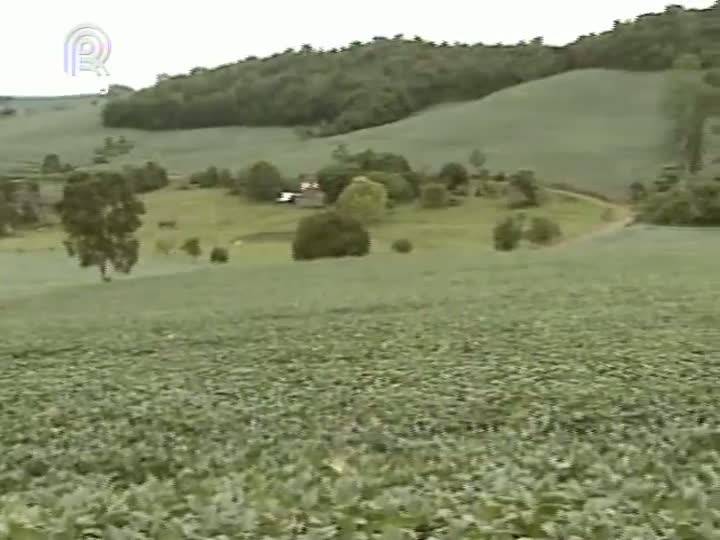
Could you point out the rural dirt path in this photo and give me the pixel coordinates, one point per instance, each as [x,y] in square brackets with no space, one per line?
[625,217]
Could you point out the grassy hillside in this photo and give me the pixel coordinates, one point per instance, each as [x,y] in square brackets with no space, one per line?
[28,105]
[455,396]
[363,85]
[260,234]
[596,129]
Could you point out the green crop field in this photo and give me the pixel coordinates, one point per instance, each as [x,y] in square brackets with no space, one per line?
[596,129]
[565,393]
[519,356]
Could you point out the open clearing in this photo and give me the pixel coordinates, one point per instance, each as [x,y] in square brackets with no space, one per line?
[260,234]
[534,391]
[597,129]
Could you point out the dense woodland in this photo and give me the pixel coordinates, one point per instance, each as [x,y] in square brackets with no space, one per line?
[369,84]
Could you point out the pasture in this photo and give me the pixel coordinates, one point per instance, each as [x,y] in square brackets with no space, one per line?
[260,234]
[597,129]
[566,393]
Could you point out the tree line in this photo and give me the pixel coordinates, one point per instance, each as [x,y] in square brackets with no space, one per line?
[368,84]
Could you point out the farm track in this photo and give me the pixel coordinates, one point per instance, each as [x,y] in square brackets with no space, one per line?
[626,217]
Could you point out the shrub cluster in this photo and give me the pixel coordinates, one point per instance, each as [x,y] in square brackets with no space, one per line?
[402,245]
[434,195]
[212,177]
[454,175]
[330,234]
[524,190]
[507,234]
[396,184]
[20,204]
[695,203]
[363,200]
[51,164]
[260,182]
[192,247]
[542,231]
[149,177]
[111,148]
[219,255]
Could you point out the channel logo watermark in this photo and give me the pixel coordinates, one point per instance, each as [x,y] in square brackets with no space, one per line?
[87,48]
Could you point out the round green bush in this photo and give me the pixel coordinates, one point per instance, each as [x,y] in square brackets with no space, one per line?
[364,200]
[330,234]
[402,245]
[219,255]
[262,181]
[192,247]
[434,195]
[507,234]
[542,231]
[397,186]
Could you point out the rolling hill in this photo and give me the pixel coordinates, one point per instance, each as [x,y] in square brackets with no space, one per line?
[596,129]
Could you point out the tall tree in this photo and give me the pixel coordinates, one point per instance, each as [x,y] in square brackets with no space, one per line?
[100,214]
[684,83]
[694,140]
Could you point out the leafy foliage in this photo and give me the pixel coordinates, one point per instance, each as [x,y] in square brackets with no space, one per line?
[370,160]
[100,214]
[149,177]
[192,247]
[212,177]
[330,234]
[184,409]
[385,167]
[363,200]
[638,192]
[111,148]
[262,181]
[20,205]
[51,164]
[477,159]
[397,186]
[694,202]
[402,245]
[542,231]
[524,190]
[363,85]
[334,178]
[693,98]
[219,255]
[434,195]
[455,175]
[507,234]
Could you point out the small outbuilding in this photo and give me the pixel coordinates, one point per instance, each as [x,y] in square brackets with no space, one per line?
[311,196]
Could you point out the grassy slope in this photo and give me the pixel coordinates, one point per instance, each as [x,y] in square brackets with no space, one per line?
[407,390]
[597,129]
[37,259]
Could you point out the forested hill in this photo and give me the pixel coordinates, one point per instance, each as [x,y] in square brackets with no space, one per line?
[364,85]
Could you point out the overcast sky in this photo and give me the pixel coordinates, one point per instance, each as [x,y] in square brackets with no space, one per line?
[149,37]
